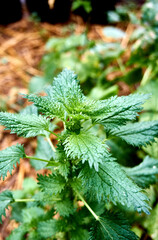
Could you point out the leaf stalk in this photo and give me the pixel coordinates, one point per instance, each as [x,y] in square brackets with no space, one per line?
[88,207]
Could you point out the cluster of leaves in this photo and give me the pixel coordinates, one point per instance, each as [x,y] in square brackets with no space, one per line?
[83,167]
[144,40]
[85,4]
[93,62]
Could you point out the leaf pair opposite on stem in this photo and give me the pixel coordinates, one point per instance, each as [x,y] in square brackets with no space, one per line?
[82,165]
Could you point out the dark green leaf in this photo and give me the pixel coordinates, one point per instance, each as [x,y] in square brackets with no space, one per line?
[25,125]
[9,157]
[6,198]
[117,111]
[144,173]
[115,185]
[112,227]
[79,234]
[137,134]
[87,147]
[51,184]
[64,207]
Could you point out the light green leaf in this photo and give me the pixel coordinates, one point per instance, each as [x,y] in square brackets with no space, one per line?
[137,134]
[51,184]
[66,89]
[144,173]
[112,227]
[117,111]
[25,125]
[49,228]
[152,149]
[151,223]
[33,235]
[87,147]
[43,151]
[6,198]
[151,113]
[113,32]
[9,158]
[47,106]
[113,185]
[63,96]
[64,207]
[29,110]
[65,100]
[18,233]
[62,166]
[32,214]
[36,84]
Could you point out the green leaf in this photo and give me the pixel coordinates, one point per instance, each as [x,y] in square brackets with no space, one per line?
[36,84]
[18,233]
[51,184]
[33,235]
[151,223]
[63,96]
[144,174]
[32,214]
[151,113]
[113,184]
[111,226]
[117,111]
[62,166]
[65,100]
[137,134]
[9,157]
[25,125]
[6,198]
[49,228]
[64,207]
[79,234]
[43,151]
[46,105]
[152,149]
[113,32]
[66,89]
[87,147]
[29,110]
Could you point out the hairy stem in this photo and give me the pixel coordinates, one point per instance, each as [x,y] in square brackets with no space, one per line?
[92,125]
[51,144]
[121,66]
[38,159]
[24,200]
[88,207]
[34,200]
[145,78]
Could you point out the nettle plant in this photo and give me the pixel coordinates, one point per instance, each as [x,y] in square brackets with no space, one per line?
[87,191]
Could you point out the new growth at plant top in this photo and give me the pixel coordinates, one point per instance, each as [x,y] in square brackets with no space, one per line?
[88,195]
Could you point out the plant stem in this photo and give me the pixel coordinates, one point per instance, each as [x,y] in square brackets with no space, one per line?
[51,144]
[24,200]
[121,66]
[34,200]
[89,208]
[92,125]
[145,78]
[38,159]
